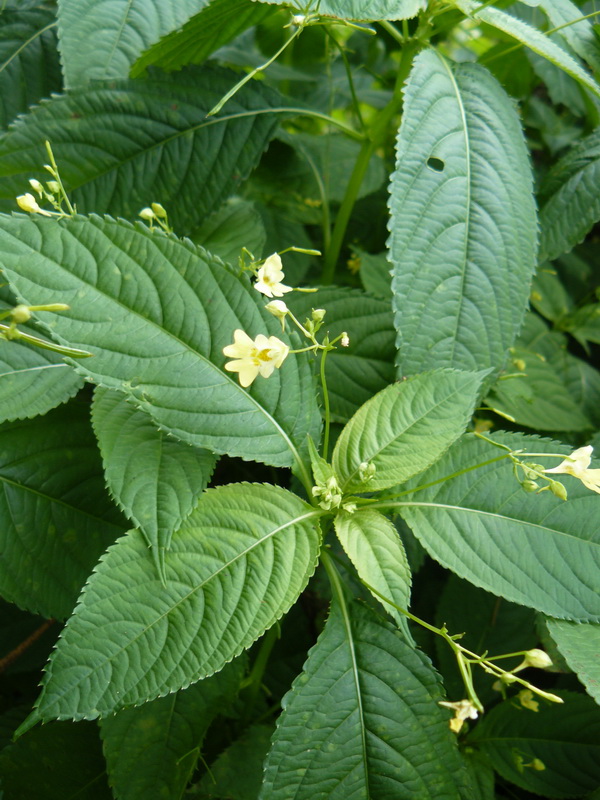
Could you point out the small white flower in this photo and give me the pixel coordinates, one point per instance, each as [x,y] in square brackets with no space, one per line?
[463,710]
[577,465]
[345,340]
[253,357]
[147,214]
[269,278]
[27,202]
[298,19]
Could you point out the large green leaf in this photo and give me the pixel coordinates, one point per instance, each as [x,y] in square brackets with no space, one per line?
[151,750]
[235,567]
[530,37]
[32,380]
[56,517]
[57,762]
[579,644]
[373,545]
[363,720]
[463,222]
[360,9]
[218,23]
[100,39]
[577,32]
[404,429]
[357,372]
[155,479]
[535,550]
[29,65]
[120,146]
[565,738]
[569,198]
[156,313]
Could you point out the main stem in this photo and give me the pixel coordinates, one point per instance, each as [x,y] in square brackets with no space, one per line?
[376,136]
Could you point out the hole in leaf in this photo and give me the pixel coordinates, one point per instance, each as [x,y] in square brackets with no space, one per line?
[436,164]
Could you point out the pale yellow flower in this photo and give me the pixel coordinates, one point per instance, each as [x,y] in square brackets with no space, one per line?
[27,202]
[269,278]
[577,465]
[254,357]
[525,697]
[463,710]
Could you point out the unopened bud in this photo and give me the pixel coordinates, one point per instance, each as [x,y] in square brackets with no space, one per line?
[538,764]
[558,490]
[36,186]
[54,187]
[529,486]
[159,210]
[345,340]
[520,364]
[537,658]
[318,314]
[366,470]
[27,202]
[147,214]
[298,19]
[279,309]
[21,314]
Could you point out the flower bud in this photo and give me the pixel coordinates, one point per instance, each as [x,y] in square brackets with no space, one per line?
[159,210]
[53,186]
[538,765]
[147,214]
[21,313]
[27,202]
[279,309]
[345,340]
[298,19]
[36,186]
[366,470]
[318,314]
[529,486]
[558,490]
[537,658]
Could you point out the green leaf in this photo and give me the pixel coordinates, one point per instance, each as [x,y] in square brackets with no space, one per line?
[151,750]
[463,223]
[565,738]
[404,429]
[357,372]
[235,567]
[156,313]
[120,146]
[56,762]
[238,772]
[568,198]
[534,395]
[480,522]
[363,721]
[154,479]
[361,9]
[490,625]
[375,272]
[579,644]
[530,37]
[56,516]
[215,25]
[372,544]
[579,34]
[32,380]
[235,225]
[29,64]
[584,324]
[100,39]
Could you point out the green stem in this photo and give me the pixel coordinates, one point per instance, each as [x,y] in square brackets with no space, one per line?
[377,135]
[58,179]
[14,334]
[254,680]
[326,404]
[252,73]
